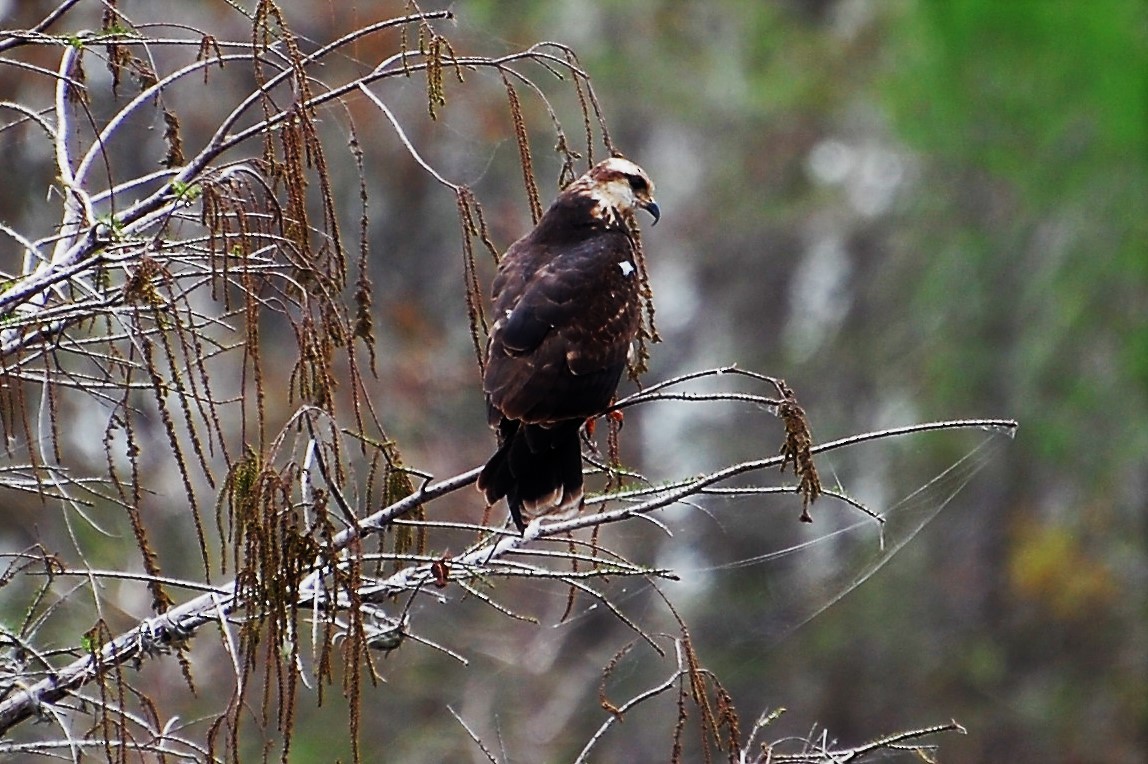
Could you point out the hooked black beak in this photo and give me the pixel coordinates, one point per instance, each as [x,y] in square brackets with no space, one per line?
[651,207]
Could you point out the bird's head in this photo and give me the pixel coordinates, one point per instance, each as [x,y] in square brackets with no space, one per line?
[618,186]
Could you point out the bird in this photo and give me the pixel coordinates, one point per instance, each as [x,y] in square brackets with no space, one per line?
[567,306]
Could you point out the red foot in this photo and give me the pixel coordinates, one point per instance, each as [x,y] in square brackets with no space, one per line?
[440,569]
[592,422]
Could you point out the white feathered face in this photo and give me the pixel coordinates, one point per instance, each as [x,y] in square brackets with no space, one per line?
[618,185]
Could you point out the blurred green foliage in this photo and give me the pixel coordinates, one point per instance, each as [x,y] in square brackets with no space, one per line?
[1043,93]
[1040,109]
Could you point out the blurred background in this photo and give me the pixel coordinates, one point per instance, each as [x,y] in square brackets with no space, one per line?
[908,210]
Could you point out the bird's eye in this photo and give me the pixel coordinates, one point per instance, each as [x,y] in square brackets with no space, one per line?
[638,183]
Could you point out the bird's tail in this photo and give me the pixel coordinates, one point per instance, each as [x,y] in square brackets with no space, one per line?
[538,469]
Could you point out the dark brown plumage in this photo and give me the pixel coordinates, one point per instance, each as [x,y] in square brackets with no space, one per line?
[567,308]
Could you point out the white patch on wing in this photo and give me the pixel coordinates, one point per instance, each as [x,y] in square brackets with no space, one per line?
[500,323]
[627,267]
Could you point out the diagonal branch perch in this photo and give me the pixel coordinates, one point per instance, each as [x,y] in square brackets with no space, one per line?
[157,634]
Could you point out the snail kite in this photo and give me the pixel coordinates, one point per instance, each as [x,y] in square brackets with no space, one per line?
[567,305]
